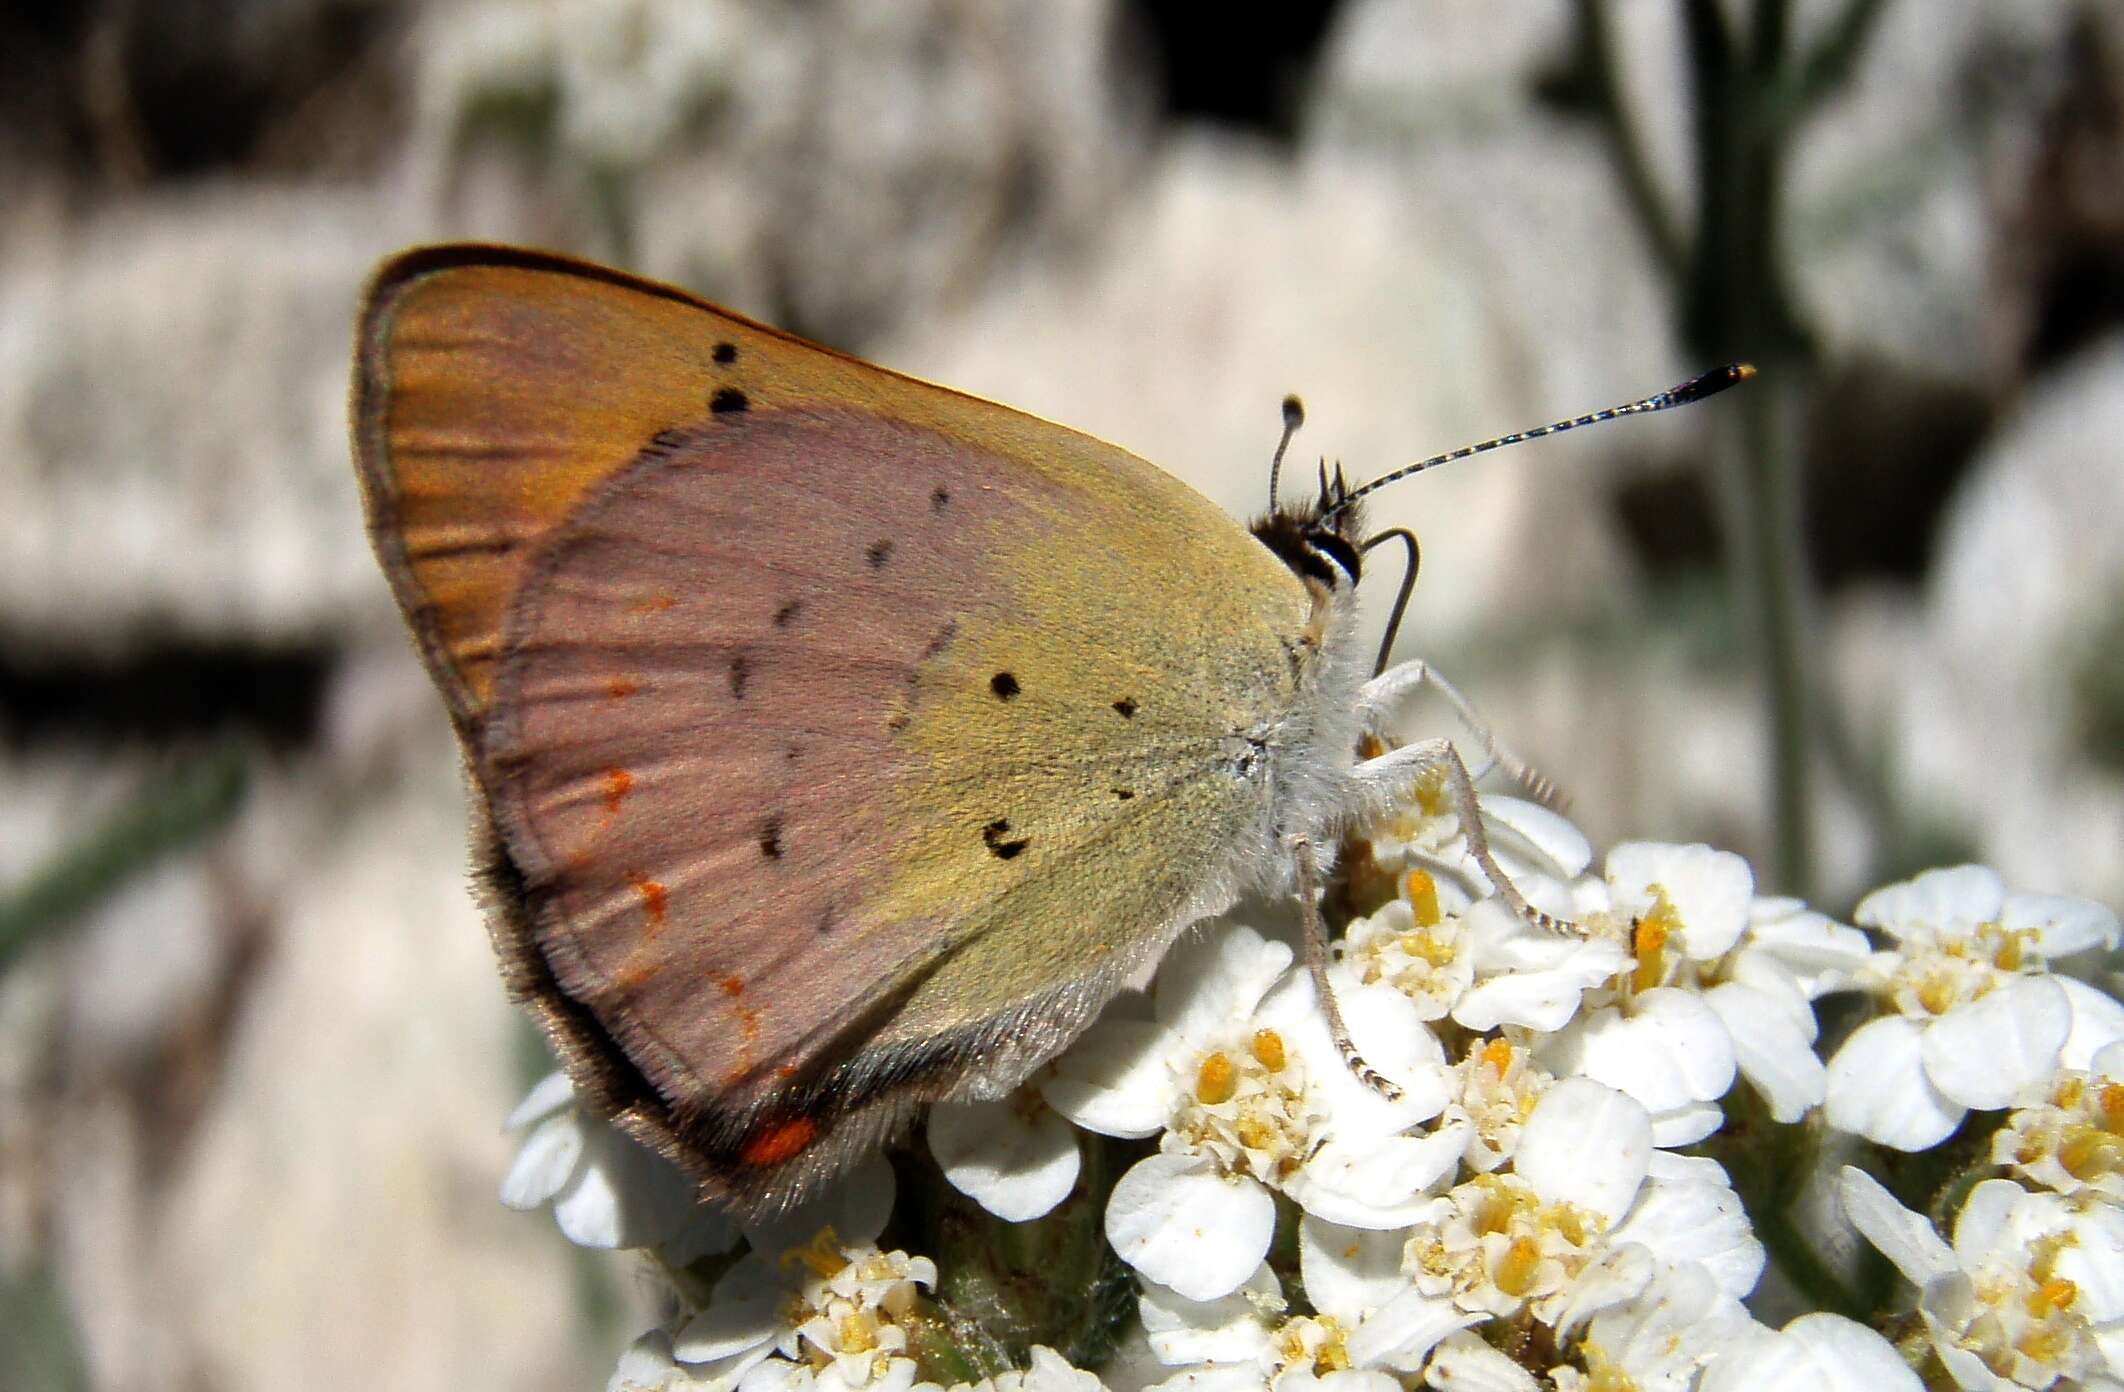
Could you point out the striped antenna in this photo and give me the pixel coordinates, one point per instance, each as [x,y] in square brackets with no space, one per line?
[1695,389]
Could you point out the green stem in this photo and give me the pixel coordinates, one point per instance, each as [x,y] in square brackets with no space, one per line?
[195,799]
[1813,1278]
[1626,146]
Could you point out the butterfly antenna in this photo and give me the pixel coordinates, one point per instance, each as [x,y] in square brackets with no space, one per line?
[1293,417]
[1695,389]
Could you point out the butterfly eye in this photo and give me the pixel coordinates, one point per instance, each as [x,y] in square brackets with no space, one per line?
[1330,546]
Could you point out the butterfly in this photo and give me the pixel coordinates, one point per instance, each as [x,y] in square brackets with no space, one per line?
[839,743]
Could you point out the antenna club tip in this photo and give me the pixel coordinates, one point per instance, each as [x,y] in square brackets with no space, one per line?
[1711,383]
[1293,411]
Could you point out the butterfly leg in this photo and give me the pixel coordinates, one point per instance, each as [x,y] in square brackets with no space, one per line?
[1391,780]
[1378,698]
[1316,963]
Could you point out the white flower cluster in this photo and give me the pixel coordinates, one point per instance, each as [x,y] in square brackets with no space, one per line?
[1526,1209]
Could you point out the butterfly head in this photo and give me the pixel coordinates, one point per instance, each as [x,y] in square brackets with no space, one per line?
[1321,540]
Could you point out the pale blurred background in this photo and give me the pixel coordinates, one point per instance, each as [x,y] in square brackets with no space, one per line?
[1866,615]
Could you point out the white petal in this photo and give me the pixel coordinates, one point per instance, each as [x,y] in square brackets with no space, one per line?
[1377,1182]
[588,1211]
[1015,1168]
[1686,1124]
[1710,890]
[623,1194]
[1543,1001]
[1814,1353]
[1117,1079]
[1180,1223]
[1402,1332]
[2064,925]
[1228,1329]
[743,1314]
[1903,1237]
[1623,1274]
[1464,1363]
[1773,1054]
[2094,1262]
[543,1162]
[1587,1144]
[855,1206]
[1877,1088]
[1985,1052]
[1670,1049]
[548,1095]
[1349,1272]
[1207,982]
[1957,898]
[1391,1035]
[647,1366]
[1049,1371]
[1221,1377]
[1546,834]
[1697,1222]
[1670,1168]
[2108,1061]
[1821,954]
[2097,1022]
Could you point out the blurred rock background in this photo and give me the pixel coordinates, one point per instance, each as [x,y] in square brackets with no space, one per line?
[253,1054]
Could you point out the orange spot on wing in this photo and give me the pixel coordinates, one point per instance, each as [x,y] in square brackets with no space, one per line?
[731,986]
[653,604]
[619,688]
[618,783]
[654,900]
[776,1141]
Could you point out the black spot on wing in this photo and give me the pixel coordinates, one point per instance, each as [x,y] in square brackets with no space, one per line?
[740,673]
[771,838]
[784,615]
[880,552]
[727,401]
[938,499]
[725,353]
[1123,794]
[1127,707]
[992,837]
[1004,685]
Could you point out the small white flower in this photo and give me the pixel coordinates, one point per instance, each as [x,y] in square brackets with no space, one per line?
[1239,1072]
[2071,1137]
[606,1189]
[1652,1033]
[1496,1088]
[1979,1018]
[758,1329]
[1502,1242]
[823,1315]
[2031,1291]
